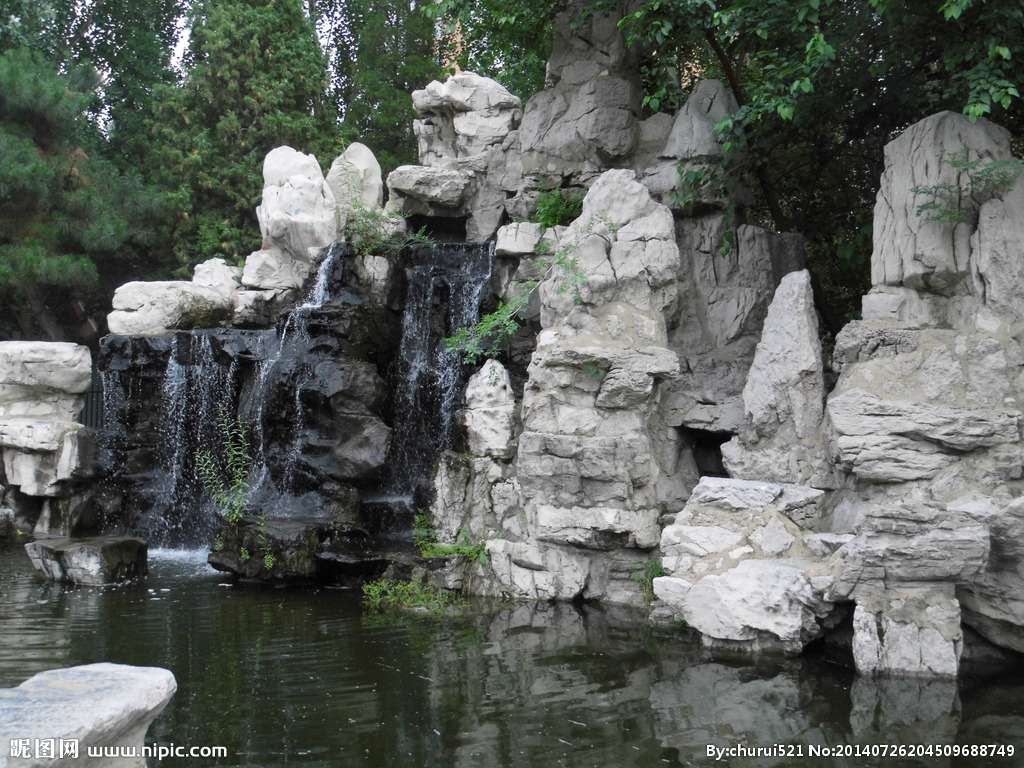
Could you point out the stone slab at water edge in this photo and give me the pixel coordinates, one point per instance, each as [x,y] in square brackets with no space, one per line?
[92,562]
[96,705]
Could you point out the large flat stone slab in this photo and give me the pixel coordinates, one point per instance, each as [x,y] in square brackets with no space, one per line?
[59,714]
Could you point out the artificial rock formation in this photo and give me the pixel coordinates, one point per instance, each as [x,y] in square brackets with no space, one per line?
[149,308]
[92,561]
[925,416]
[918,445]
[581,510]
[47,454]
[301,213]
[741,570]
[687,348]
[464,128]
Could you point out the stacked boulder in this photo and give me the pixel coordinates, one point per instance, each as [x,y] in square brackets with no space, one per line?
[465,128]
[925,417]
[301,213]
[919,443]
[580,516]
[46,452]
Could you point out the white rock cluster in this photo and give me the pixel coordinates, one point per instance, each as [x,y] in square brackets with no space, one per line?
[465,129]
[300,214]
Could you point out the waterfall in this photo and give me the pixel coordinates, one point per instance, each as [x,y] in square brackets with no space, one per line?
[446,286]
[165,395]
[196,388]
[293,330]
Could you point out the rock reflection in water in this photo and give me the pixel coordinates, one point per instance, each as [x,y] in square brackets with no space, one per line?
[282,676]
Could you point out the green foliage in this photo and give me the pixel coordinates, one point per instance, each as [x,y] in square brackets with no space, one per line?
[225,470]
[508,41]
[556,208]
[646,578]
[977,182]
[379,53]
[425,538]
[65,211]
[383,595]
[374,230]
[256,79]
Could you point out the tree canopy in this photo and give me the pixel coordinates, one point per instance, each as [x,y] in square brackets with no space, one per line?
[120,162]
[66,213]
[255,79]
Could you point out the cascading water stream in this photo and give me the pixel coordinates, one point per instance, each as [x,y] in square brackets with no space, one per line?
[294,329]
[446,286]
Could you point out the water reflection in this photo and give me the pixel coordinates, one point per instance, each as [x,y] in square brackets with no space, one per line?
[284,676]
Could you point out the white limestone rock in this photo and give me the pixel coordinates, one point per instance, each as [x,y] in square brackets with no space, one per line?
[783,398]
[160,306]
[218,276]
[911,540]
[766,605]
[436,186]
[993,601]
[897,439]
[272,269]
[257,308]
[99,705]
[694,143]
[738,569]
[996,246]
[908,632]
[490,409]
[43,380]
[463,92]
[298,211]
[522,238]
[910,249]
[355,180]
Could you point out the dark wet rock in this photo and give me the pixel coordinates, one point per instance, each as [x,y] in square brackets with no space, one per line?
[92,562]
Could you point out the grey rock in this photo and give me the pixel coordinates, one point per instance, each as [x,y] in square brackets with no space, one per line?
[767,605]
[151,308]
[909,632]
[909,249]
[95,706]
[271,269]
[43,380]
[439,186]
[783,397]
[92,562]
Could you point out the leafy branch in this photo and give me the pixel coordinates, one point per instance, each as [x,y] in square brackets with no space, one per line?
[977,182]
[227,480]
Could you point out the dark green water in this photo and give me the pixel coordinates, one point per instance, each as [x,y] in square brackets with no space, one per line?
[290,676]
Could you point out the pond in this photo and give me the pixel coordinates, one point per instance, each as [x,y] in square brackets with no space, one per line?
[303,676]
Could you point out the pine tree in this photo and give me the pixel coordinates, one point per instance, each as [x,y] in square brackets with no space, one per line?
[66,213]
